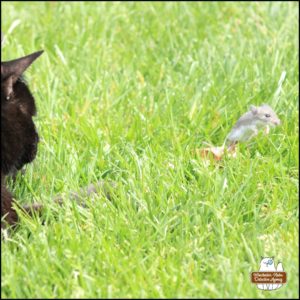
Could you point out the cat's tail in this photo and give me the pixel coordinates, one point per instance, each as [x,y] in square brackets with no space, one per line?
[88,191]
[80,197]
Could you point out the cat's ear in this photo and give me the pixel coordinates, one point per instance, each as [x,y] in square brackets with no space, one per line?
[253,109]
[12,70]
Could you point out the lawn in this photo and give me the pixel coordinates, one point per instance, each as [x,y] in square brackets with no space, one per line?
[127,92]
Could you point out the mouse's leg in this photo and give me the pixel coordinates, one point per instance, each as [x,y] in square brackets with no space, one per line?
[254,133]
[232,147]
[267,129]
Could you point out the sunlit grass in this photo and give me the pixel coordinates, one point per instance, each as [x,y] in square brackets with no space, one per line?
[127,92]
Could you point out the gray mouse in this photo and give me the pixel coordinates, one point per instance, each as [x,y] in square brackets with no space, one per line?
[249,124]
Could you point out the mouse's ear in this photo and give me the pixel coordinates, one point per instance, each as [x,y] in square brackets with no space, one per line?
[253,109]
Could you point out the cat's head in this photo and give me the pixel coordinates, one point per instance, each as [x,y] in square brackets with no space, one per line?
[19,137]
[267,262]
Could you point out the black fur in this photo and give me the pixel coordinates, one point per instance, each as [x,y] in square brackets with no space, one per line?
[19,138]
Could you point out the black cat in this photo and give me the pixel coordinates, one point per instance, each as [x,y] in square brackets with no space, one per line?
[19,138]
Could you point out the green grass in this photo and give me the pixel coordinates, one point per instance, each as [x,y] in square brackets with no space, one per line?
[126,92]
